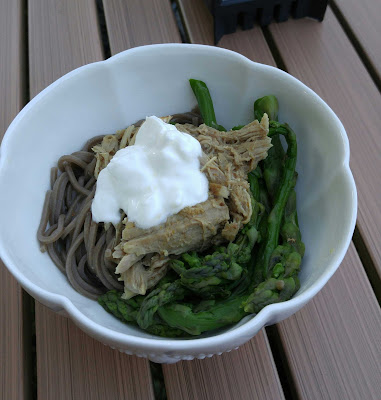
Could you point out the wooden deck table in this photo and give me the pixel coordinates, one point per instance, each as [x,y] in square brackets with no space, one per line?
[331,349]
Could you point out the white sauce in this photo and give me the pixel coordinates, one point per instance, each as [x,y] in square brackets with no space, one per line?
[153,179]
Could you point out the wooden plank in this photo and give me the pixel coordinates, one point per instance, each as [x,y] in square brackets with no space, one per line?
[249,372]
[333,345]
[83,368]
[63,35]
[136,23]
[246,373]
[71,365]
[12,88]
[321,56]
[363,19]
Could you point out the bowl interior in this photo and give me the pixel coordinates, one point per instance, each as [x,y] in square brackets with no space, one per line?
[104,97]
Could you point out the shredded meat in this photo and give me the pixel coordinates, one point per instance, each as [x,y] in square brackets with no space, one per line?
[227,159]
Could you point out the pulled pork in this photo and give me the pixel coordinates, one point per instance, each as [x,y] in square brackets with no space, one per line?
[142,255]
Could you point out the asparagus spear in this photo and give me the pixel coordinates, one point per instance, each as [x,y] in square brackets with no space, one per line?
[271,291]
[205,103]
[160,296]
[126,310]
[183,316]
[267,104]
[213,270]
[218,273]
[273,163]
[290,231]
[276,215]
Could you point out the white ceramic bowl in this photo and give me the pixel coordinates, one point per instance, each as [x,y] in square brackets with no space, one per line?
[102,97]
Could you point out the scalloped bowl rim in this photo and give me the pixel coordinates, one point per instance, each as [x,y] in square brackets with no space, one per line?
[201,345]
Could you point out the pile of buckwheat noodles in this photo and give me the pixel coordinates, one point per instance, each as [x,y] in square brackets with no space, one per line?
[77,245]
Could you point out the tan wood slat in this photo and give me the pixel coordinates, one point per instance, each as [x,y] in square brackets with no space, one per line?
[321,56]
[71,365]
[246,373]
[136,23]
[12,86]
[333,345]
[249,372]
[82,368]
[363,18]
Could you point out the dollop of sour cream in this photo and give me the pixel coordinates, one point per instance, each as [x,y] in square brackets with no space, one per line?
[153,179]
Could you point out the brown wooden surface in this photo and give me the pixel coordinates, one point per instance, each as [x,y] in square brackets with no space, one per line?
[71,365]
[245,374]
[363,18]
[135,23]
[321,56]
[11,100]
[333,345]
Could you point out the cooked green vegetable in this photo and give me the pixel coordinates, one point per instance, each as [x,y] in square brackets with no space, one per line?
[273,163]
[126,310]
[260,267]
[159,297]
[205,103]
[218,315]
[267,104]
[286,185]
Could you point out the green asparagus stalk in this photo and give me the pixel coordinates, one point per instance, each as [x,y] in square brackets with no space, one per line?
[205,103]
[276,215]
[267,104]
[222,313]
[271,291]
[160,296]
[273,164]
[126,310]
[290,231]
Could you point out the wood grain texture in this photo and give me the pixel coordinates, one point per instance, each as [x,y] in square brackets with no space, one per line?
[63,35]
[245,374]
[71,365]
[321,56]
[333,345]
[248,373]
[136,23]
[363,18]
[199,25]
[12,86]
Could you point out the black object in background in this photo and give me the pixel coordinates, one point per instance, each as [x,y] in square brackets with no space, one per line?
[228,13]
